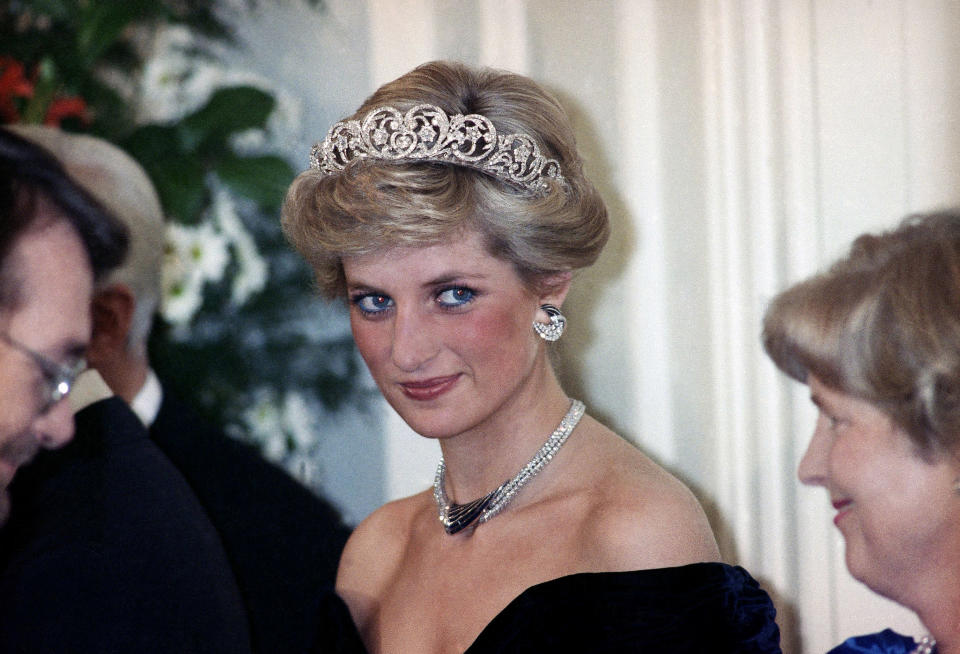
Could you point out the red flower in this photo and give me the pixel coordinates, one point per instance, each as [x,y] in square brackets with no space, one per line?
[66,107]
[13,84]
[16,86]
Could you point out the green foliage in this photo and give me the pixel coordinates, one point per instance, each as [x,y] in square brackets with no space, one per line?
[178,157]
[237,345]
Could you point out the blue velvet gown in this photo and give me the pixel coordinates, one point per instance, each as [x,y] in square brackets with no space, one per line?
[885,642]
[702,607]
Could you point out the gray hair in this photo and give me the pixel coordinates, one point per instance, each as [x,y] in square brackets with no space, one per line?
[883,324]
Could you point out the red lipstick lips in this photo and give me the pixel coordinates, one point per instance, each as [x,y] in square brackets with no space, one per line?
[428,389]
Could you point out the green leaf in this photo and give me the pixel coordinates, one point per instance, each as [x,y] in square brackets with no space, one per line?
[153,143]
[262,179]
[229,110]
[102,23]
[180,185]
[55,9]
[44,90]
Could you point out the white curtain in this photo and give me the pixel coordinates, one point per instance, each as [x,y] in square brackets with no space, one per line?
[741,145]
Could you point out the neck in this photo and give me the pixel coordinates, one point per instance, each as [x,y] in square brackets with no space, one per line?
[944,626]
[125,374]
[938,607]
[480,460]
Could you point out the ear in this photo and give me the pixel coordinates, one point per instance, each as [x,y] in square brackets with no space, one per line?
[112,316]
[554,288]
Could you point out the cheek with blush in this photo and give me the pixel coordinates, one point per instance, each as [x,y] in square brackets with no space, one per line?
[372,341]
[500,332]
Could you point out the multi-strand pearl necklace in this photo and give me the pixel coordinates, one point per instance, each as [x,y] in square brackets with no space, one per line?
[927,645]
[456,517]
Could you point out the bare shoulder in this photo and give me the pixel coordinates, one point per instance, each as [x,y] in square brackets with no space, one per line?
[640,516]
[373,554]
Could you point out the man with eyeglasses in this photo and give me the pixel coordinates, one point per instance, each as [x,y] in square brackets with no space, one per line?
[55,239]
[105,547]
[283,542]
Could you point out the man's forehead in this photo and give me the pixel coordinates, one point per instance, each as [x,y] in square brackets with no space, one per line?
[56,287]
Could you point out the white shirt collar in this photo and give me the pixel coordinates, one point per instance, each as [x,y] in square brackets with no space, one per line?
[146,403]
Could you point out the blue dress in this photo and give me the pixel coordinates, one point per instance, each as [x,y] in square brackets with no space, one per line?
[885,642]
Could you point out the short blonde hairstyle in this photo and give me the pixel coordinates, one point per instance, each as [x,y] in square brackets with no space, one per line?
[883,324]
[375,205]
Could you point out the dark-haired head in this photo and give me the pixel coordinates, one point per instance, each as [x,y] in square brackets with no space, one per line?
[29,173]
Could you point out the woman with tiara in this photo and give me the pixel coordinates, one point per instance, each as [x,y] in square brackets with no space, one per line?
[450,211]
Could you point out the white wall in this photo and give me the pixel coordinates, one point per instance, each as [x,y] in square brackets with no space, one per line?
[740,146]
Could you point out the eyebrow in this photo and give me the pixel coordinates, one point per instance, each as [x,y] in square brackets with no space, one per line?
[449,278]
[440,280]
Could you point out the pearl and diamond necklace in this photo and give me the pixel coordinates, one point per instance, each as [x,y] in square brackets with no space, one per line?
[927,645]
[457,517]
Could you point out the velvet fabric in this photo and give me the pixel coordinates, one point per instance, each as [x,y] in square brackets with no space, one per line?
[283,542]
[884,642]
[702,607]
[107,550]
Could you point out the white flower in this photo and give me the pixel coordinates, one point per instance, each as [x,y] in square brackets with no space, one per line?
[181,299]
[192,256]
[249,142]
[198,250]
[299,421]
[176,81]
[251,274]
[182,283]
[209,252]
[263,423]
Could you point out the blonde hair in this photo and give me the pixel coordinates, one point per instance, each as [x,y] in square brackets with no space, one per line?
[883,324]
[121,185]
[374,205]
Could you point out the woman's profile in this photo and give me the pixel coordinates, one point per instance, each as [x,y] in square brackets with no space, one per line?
[877,339]
[450,211]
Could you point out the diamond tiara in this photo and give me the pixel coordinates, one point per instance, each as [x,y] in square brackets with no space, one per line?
[427,133]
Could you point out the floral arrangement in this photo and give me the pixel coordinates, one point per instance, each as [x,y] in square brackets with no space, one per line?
[240,328]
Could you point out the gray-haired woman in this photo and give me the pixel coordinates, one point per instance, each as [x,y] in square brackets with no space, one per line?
[877,339]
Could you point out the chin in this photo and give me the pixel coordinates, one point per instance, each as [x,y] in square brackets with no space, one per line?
[433,429]
[879,581]
[430,420]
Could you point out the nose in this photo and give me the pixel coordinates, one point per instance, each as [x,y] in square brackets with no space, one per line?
[55,427]
[812,470]
[414,342]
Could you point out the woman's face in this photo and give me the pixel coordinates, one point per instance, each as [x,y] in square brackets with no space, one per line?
[446,332]
[897,512]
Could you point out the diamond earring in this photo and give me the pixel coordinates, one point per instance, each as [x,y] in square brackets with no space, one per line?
[554,329]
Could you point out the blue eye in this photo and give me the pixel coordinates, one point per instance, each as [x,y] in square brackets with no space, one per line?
[373,303]
[455,297]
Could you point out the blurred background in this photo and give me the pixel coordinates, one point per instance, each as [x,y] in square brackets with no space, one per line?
[740,145]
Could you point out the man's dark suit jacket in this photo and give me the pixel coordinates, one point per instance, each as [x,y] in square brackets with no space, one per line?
[283,542]
[108,550]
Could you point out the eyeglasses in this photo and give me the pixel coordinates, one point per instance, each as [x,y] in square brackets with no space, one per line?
[57,379]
